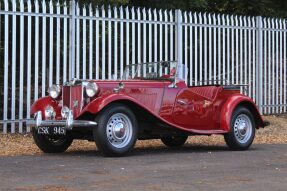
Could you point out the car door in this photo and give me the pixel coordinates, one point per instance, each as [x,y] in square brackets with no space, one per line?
[194,108]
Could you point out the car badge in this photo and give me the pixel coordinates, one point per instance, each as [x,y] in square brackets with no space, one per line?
[75,103]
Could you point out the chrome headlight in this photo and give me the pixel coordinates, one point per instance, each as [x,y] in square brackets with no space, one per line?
[65,112]
[49,112]
[91,89]
[54,91]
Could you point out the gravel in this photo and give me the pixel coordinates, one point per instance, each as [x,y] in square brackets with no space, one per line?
[276,133]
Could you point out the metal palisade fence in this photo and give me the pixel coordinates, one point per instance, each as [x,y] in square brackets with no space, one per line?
[43,43]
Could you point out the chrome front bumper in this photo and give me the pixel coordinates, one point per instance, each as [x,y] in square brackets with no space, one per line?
[69,123]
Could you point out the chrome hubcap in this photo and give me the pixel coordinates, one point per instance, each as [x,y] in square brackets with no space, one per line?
[119,130]
[242,128]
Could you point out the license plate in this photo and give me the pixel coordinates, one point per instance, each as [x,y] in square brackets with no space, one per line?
[51,130]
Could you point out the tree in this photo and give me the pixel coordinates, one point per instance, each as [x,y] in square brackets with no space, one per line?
[267,8]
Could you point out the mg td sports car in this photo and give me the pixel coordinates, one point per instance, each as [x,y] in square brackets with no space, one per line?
[150,101]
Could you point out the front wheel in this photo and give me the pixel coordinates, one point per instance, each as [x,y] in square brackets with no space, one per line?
[117,130]
[49,144]
[242,130]
[174,141]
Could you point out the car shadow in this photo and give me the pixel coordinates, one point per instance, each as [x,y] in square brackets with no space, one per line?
[181,150]
[157,150]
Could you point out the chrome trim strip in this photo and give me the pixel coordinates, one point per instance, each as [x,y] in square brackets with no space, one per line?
[181,102]
[84,84]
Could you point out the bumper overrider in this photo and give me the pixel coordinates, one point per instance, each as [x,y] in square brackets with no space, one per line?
[69,123]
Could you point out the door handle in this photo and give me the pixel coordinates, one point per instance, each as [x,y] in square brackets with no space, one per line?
[181,102]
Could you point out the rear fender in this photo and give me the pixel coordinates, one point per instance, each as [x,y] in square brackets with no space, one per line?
[231,104]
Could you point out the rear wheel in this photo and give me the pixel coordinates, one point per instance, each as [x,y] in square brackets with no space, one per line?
[117,130]
[49,144]
[174,141]
[242,130]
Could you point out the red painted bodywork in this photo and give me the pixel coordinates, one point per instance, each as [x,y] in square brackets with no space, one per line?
[200,110]
[43,102]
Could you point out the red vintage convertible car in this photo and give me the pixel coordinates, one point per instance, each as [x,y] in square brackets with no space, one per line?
[150,101]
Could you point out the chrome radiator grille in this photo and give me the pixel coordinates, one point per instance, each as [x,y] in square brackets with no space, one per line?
[73,98]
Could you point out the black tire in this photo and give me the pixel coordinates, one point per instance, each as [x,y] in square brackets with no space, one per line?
[51,145]
[110,140]
[234,138]
[174,141]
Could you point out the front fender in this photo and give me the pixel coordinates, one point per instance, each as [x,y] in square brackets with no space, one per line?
[229,107]
[98,104]
[42,103]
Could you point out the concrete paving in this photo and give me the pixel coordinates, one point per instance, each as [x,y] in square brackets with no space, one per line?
[262,167]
